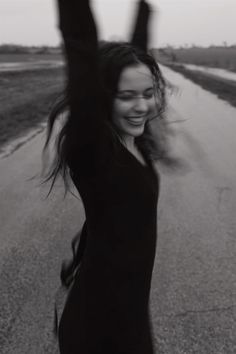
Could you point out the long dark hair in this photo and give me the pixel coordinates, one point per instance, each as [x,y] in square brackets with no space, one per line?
[113,58]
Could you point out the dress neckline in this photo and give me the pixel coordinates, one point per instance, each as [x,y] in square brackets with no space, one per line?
[145,166]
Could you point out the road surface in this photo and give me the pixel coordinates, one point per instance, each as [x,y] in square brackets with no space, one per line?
[193,299]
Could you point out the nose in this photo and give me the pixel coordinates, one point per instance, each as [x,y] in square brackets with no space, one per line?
[141,105]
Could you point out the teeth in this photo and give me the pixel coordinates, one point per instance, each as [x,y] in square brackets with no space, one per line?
[136,120]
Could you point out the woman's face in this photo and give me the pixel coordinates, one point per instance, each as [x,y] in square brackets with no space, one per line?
[134,102]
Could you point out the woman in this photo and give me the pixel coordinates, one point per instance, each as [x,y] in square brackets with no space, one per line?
[106,146]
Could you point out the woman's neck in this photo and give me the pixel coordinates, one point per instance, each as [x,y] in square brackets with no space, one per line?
[129,142]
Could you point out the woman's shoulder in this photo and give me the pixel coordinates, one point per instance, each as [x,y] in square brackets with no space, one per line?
[93,156]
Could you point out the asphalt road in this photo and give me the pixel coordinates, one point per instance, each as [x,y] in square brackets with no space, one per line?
[193,300]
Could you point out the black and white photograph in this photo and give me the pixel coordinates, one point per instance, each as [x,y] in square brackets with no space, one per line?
[118,177]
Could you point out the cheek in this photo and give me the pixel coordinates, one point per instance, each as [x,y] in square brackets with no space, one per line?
[153,107]
[152,103]
[120,109]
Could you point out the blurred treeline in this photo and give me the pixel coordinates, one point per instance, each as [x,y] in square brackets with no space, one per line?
[21,49]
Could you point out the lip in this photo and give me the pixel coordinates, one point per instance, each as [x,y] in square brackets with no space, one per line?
[136,121]
[135,117]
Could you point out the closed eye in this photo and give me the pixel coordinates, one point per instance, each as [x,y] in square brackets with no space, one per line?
[148,94]
[131,95]
[126,95]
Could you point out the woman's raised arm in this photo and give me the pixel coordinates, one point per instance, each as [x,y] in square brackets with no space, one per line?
[79,33]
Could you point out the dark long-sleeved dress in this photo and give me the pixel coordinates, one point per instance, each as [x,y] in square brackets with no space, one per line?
[107,307]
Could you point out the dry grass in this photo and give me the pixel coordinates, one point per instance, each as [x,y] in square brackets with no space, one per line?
[217,57]
[26,98]
[27,57]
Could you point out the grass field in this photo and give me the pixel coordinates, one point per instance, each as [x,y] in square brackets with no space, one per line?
[26,98]
[217,57]
[14,58]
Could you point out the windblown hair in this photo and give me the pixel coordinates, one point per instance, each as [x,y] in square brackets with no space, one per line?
[113,58]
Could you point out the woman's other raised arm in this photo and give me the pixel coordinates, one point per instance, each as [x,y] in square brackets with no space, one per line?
[139,36]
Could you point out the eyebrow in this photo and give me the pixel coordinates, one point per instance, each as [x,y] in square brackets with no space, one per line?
[134,91]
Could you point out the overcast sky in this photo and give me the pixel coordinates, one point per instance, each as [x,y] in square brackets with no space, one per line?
[175,22]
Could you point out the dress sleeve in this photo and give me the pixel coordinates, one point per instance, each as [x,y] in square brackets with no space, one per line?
[140,33]
[86,106]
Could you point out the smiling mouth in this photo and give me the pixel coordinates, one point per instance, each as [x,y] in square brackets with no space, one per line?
[136,120]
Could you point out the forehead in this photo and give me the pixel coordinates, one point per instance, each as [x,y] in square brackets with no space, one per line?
[137,77]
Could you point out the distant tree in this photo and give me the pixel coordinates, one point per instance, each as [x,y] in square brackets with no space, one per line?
[12,49]
[43,50]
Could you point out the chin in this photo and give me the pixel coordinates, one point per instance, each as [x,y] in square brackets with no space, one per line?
[135,132]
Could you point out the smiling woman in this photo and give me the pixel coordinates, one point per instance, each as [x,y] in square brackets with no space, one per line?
[134,103]
[115,91]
